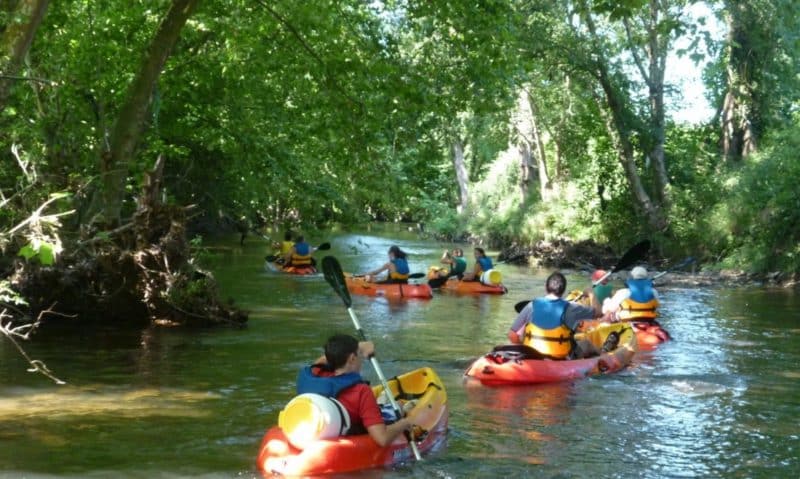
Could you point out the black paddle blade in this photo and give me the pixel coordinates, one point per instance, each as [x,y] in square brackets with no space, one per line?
[416,275]
[324,247]
[520,306]
[271,258]
[633,255]
[437,282]
[334,276]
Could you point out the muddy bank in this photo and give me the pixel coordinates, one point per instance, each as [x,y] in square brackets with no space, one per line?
[585,256]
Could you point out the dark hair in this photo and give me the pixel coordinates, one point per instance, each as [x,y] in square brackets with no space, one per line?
[300,239]
[458,252]
[287,236]
[397,252]
[481,251]
[556,283]
[339,348]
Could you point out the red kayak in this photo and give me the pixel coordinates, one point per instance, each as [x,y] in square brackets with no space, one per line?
[358,285]
[455,285]
[301,270]
[351,453]
[649,334]
[518,364]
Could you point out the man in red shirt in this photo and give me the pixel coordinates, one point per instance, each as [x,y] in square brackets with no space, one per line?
[337,374]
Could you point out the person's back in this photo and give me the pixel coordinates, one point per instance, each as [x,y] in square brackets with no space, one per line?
[637,302]
[300,253]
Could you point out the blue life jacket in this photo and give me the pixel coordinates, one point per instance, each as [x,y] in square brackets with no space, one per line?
[302,249]
[328,386]
[641,290]
[485,262]
[547,313]
[401,265]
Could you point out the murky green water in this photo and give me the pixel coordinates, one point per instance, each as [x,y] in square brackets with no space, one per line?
[722,400]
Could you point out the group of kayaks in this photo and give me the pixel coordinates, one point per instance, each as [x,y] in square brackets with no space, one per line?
[504,365]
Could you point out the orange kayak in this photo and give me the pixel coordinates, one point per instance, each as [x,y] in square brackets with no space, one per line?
[302,270]
[518,364]
[472,287]
[351,453]
[649,334]
[394,291]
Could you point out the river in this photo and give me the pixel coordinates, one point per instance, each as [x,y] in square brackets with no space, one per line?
[721,400]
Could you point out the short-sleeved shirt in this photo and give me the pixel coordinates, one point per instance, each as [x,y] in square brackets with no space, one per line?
[573,316]
[361,406]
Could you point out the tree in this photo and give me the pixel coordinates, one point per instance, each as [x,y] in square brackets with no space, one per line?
[16,41]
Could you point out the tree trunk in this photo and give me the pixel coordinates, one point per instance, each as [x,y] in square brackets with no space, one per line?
[739,139]
[128,127]
[461,175]
[545,185]
[16,41]
[526,167]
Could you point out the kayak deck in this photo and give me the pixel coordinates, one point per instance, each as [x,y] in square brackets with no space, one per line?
[358,285]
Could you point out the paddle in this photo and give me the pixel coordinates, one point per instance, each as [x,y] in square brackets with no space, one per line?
[323,247]
[680,265]
[635,253]
[334,276]
[410,276]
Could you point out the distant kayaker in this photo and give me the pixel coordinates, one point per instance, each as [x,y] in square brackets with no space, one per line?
[483,263]
[397,268]
[548,324]
[284,247]
[300,254]
[337,374]
[457,264]
[637,302]
[597,293]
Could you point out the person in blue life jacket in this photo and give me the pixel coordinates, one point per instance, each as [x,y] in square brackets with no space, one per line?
[548,324]
[337,374]
[300,254]
[397,268]
[483,263]
[637,302]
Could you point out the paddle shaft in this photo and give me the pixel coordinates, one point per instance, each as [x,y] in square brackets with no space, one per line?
[377,367]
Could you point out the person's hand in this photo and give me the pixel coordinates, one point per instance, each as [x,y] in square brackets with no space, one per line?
[366,349]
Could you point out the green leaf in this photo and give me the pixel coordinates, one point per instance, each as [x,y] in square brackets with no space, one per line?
[27,251]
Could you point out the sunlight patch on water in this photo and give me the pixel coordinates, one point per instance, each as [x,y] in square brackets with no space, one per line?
[87,402]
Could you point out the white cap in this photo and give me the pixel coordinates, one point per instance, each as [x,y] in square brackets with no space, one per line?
[638,272]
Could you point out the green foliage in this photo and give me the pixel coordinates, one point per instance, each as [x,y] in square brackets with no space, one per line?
[763,208]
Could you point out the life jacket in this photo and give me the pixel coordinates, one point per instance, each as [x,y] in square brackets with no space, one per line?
[642,303]
[546,332]
[302,254]
[286,247]
[458,267]
[401,270]
[602,291]
[484,264]
[328,386]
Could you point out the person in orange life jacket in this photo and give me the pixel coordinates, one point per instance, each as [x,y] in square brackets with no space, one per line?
[636,302]
[548,324]
[483,263]
[300,254]
[337,374]
[396,268]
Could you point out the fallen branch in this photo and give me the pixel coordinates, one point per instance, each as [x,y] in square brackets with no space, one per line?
[24,331]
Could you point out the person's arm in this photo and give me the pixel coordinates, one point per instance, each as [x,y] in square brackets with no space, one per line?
[612,305]
[384,435]
[385,267]
[575,314]
[288,256]
[519,324]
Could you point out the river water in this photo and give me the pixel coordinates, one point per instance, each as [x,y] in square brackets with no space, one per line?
[722,400]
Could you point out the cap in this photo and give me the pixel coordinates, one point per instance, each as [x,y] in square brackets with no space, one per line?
[638,272]
[598,273]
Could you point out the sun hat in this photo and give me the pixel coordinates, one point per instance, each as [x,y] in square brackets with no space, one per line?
[598,274]
[639,272]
